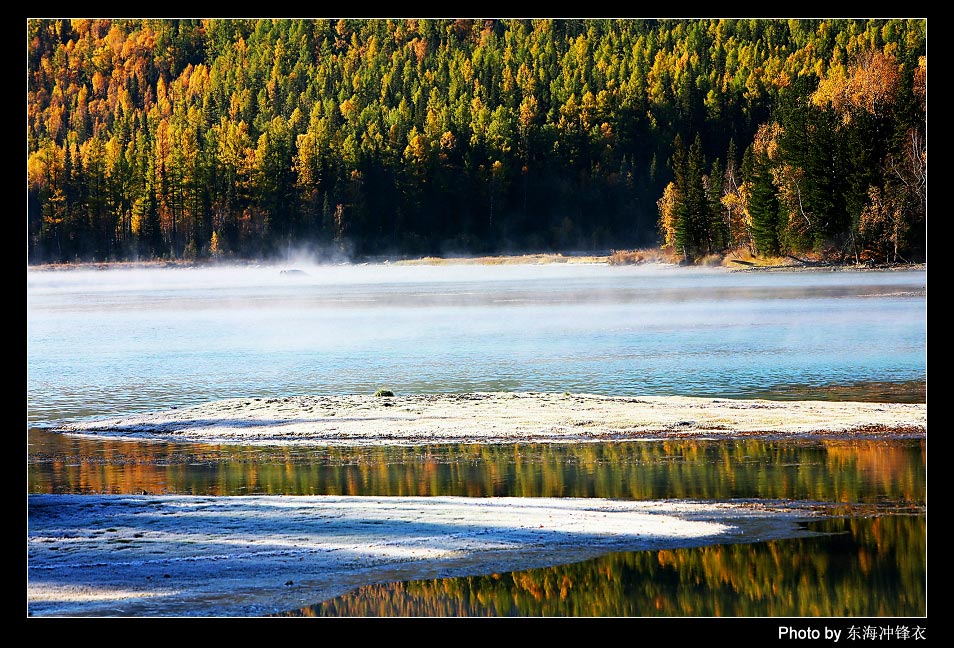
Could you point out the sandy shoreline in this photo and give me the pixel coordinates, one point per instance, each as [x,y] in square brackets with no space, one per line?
[651,256]
[249,556]
[507,418]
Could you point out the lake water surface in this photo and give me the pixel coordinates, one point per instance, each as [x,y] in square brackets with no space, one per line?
[119,341]
[870,560]
[114,342]
[861,567]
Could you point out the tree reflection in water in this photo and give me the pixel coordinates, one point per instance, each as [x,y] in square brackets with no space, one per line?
[867,567]
[833,471]
[871,566]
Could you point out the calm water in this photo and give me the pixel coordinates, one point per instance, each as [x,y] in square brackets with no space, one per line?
[868,567]
[870,563]
[118,341]
[113,342]
[848,472]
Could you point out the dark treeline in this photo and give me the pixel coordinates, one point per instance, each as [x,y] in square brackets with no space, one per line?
[246,138]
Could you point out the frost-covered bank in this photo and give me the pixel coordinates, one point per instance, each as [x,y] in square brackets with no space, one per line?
[507,418]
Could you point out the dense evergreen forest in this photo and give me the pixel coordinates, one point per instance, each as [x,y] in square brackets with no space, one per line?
[156,138]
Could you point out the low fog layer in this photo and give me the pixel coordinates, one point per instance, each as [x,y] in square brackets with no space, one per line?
[112,342]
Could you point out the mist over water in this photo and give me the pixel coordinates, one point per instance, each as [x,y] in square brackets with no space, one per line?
[107,342]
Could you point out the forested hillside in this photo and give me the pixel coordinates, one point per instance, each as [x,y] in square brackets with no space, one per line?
[246,138]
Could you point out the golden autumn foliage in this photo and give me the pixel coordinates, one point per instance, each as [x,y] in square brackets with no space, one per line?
[667,206]
[735,202]
[882,225]
[580,115]
[868,84]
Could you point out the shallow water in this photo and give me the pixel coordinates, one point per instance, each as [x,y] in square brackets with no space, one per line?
[850,472]
[120,341]
[871,563]
[861,567]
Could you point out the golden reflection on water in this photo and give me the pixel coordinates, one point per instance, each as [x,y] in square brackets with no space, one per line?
[839,471]
[871,567]
[868,566]
[907,391]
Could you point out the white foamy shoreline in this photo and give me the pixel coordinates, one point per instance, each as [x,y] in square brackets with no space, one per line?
[93,555]
[503,417]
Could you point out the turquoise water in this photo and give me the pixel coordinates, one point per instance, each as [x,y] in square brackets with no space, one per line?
[106,342]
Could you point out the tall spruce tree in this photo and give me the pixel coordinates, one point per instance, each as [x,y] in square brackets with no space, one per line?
[718,221]
[678,162]
[763,203]
[698,211]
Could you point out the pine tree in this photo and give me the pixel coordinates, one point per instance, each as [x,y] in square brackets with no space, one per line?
[718,224]
[763,204]
[681,218]
[697,210]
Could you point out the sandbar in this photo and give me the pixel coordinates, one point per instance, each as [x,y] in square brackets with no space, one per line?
[507,417]
[179,556]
